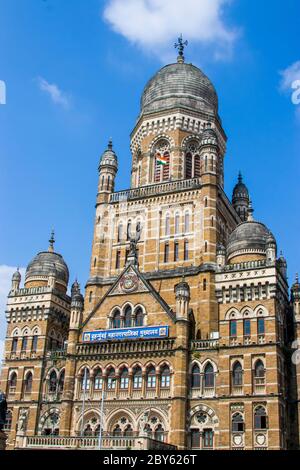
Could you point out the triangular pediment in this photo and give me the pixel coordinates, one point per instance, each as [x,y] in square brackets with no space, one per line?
[130,282]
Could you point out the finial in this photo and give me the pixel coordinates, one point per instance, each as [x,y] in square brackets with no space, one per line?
[297,278]
[52,241]
[180,45]
[110,144]
[250,212]
[240,177]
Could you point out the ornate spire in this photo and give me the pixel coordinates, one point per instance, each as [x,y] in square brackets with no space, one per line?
[240,177]
[180,45]
[110,144]
[51,242]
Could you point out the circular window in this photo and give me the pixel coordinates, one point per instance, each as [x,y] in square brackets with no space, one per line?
[201,418]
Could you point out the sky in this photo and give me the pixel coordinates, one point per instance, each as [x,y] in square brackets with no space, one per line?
[71,76]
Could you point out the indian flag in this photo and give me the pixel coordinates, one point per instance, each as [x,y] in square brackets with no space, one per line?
[161,160]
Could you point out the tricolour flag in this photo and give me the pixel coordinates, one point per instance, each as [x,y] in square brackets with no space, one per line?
[161,160]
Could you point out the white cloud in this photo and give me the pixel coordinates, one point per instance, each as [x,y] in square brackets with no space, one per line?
[6,273]
[56,95]
[289,76]
[155,24]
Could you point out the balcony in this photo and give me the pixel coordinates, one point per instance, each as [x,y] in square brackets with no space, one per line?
[91,443]
[155,190]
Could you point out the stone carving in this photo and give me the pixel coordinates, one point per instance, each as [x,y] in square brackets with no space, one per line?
[22,423]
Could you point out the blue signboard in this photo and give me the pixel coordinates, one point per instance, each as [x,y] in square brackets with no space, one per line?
[146,332]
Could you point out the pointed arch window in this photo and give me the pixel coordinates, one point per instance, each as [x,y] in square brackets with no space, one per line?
[128,317]
[34,343]
[12,384]
[124,382]
[111,380]
[165,377]
[14,345]
[188,166]
[28,383]
[85,379]
[261,326]
[177,223]
[260,418]
[24,344]
[209,376]
[61,382]
[259,373]
[53,382]
[137,378]
[139,317]
[186,250]
[166,253]
[120,232]
[116,319]
[237,375]
[98,380]
[151,377]
[167,225]
[195,379]
[8,421]
[237,423]
[187,222]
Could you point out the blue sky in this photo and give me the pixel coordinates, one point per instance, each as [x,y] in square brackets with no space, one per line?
[74,72]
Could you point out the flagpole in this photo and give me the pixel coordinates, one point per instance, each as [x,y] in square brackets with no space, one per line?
[83,401]
[101,416]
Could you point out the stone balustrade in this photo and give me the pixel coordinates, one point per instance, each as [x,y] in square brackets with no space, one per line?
[118,347]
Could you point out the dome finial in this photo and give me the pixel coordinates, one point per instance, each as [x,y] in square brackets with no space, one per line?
[110,144]
[240,177]
[297,278]
[51,241]
[180,45]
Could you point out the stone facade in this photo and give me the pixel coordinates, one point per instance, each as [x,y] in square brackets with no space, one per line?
[171,252]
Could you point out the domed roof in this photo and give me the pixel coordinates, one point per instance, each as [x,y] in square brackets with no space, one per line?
[240,190]
[109,157]
[47,263]
[16,276]
[249,237]
[179,85]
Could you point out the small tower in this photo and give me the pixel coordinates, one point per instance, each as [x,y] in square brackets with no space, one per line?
[182,295]
[295,297]
[209,151]
[221,256]
[271,249]
[108,168]
[240,199]
[77,304]
[15,281]
[282,265]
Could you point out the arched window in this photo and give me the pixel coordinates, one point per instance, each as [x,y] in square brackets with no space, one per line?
[162,167]
[127,317]
[195,379]
[186,222]
[176,251]
[159,433]
[52,382]
[137,378]
[196,166]
[14,345]
[124,382]
[34,343]
[177,223]
[259,373]
[85,379]
[8,421]
[111,379]
[237,374]
[120,232]
[139,317]
[28,383]
[167,225]
[24,343]
[166,253]
[188,166]
[233,328]
[165,377]
[237,423]
[151,377]
[208,439]
[186,250]
[98,380]
[12,383]
[117,431]
[61,382]
[209,376]
[116,319]
[260,418]
[128,230]
[128,432]
[261,326]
